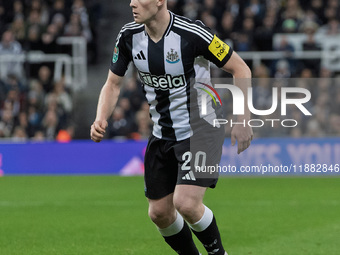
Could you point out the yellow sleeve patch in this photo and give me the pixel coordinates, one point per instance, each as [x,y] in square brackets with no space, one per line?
[219,48]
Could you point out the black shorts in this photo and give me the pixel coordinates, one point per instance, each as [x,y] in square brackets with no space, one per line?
[169,163]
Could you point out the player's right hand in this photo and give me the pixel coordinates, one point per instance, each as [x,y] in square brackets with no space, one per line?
[98,130]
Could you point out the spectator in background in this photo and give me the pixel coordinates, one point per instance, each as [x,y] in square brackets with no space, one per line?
[59,9]
[19,30]
[190,9]
[310,45]
[209,20]
[287,64]
[263,36]
[79,9]
[331,28]
[74,28]
[36,95]
[33,40]
[63,101]
[34,118]
[318,8]
[49,39]
[41,8]
[244,39]
[22,121]
[227,26]
[144,124]
[45,78]
[13,83]
[119,126]
[282,69]
[34,19]
[50,124]
[133,92]
[7,122]
[19,134]
[12,102]
[257,10]
[291,16]
[18,10]
[11,48]
[233,7]
[59,21]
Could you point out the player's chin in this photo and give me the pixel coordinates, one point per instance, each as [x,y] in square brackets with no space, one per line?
[138,20]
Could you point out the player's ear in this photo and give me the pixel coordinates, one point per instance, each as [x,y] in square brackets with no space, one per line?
[161,2]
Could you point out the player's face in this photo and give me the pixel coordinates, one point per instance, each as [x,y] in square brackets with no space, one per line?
[144,10]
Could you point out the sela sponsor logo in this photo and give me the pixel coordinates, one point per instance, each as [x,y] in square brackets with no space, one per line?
[172,57]
[163,82]
[239,105]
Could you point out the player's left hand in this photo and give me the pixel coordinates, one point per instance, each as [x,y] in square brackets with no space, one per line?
[243,135]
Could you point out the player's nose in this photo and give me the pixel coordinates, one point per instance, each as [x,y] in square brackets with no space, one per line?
[133,3]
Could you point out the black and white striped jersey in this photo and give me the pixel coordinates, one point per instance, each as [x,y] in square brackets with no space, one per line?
[166,68]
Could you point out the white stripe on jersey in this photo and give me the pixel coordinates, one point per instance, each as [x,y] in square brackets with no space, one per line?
[196,27]
[129,26]
[191,27]
[178,97]
[140,43]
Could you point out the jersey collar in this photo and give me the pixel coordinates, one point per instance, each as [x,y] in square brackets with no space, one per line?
[167,31]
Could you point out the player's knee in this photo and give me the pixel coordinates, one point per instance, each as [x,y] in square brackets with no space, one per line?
[186,207]
[160,216]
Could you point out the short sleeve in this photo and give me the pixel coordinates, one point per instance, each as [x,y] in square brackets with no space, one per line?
[120,57]
[214,49]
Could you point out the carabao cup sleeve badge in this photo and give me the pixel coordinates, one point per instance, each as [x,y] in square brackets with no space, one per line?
[115,54]
[219,48]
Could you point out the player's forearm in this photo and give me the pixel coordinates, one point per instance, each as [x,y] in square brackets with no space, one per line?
[107,101]
[242,79]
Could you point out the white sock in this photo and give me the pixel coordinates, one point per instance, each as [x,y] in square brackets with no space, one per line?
[174,228]
[204,222]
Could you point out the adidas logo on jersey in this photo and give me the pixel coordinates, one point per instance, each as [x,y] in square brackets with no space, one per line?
[163,82]
[189,176]
[140,56]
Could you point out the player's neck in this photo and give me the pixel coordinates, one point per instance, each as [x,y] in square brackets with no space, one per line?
[157,26]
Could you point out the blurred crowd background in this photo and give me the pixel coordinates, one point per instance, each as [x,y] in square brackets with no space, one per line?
[34,106]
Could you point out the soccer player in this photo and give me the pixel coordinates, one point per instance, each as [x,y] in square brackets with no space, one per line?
[169,51]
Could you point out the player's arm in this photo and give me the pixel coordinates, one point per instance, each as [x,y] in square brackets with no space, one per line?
[107,101]
[243,134]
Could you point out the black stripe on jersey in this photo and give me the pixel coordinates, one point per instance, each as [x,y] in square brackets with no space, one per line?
[156,67]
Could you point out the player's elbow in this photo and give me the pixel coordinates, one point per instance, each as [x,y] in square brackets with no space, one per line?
[241,70]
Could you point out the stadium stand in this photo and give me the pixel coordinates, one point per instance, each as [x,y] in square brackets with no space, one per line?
[35,103]
[277,38]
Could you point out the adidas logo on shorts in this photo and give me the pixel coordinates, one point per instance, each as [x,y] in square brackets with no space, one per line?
[189,176]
